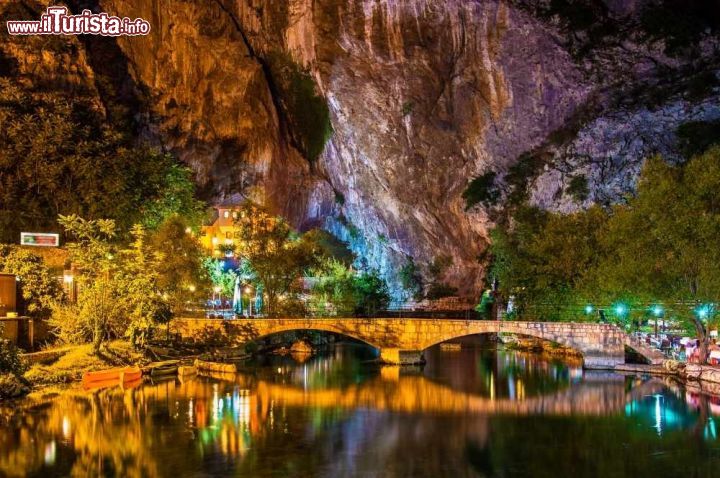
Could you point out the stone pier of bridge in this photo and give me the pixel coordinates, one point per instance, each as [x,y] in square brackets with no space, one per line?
[402,341]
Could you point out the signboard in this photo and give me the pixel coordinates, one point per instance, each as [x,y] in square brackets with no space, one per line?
[39,239]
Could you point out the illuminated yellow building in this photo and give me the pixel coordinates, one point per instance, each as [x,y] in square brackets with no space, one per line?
[219,237]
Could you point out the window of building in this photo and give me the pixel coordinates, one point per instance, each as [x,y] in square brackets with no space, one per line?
[226,214]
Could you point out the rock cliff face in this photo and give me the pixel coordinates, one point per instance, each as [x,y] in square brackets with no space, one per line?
[421,97]
[370,117]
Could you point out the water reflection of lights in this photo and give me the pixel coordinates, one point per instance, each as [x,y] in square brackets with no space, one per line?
[658,411]
[50,453]
[66,428]
[658,414]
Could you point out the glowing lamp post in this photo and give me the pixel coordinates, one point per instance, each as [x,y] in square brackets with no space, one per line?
[216,292]
[589,309]
[248,290]
[657,311]
[621,311]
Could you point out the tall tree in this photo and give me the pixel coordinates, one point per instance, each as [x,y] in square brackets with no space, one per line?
[180,272]
[664,244]
[60,155]
[275,252]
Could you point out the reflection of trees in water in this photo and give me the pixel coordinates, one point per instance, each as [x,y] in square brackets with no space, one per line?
[105,431]
[500,373]
[401,425]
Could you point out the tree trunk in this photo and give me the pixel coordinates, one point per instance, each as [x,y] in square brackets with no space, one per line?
[703,340]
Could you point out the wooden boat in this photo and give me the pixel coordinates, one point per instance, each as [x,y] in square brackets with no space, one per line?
[221,376]
[160,369]
[215,366]
[187,370]
[120,374]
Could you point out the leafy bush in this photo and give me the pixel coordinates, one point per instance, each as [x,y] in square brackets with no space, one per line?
[440,290]
[411,279]
[371,293]
[578,188]
[695,137]
[38,287]
[482,190]
[59,155]
[305,108]
[10,361]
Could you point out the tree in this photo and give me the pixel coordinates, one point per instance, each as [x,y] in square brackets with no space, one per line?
[180,271]
[371,293]
[664,244]
[176,198]
[38,287]
[93,254]
[543,260]
[334,291]
[137,285]
[60,155]
[276,254]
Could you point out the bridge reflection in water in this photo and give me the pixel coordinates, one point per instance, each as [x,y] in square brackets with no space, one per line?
[167,428]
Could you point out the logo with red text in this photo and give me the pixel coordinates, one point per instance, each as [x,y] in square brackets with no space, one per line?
[57,21]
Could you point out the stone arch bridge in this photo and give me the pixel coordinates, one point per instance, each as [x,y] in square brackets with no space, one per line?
[402,341]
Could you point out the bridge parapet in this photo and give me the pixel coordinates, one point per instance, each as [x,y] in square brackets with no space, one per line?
[404,340]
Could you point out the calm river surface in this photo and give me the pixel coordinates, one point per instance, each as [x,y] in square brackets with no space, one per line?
[475,412]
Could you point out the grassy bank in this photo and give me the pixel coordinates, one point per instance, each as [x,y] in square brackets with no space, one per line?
[80,359]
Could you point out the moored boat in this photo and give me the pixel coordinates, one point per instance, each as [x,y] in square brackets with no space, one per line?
[121,374]
[215,366]
[187,370]
[161,369]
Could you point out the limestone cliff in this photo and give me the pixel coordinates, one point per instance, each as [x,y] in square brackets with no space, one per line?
[370,117]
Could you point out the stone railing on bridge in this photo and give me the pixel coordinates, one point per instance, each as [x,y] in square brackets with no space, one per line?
[402,341]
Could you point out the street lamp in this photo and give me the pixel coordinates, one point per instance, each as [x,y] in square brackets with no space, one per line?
[589,309]
[248,290]
[703,311]
[657,311]
[216,291]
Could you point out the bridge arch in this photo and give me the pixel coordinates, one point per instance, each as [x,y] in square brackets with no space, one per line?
[316,328]
[403,340]
[544,337]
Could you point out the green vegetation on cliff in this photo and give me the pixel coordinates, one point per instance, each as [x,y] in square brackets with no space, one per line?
[306,110]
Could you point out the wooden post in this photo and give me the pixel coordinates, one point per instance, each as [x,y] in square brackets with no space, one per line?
[31,334]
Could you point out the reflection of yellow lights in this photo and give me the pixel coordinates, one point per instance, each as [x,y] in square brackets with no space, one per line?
[520,389]
[50,453]
[492,386]
[66,428]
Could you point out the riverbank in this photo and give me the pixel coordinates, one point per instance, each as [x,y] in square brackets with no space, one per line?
[74,361]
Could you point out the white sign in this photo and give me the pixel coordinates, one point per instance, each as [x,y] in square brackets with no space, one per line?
[41,239]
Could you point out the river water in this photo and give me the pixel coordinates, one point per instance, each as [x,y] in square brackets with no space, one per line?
[474,412]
